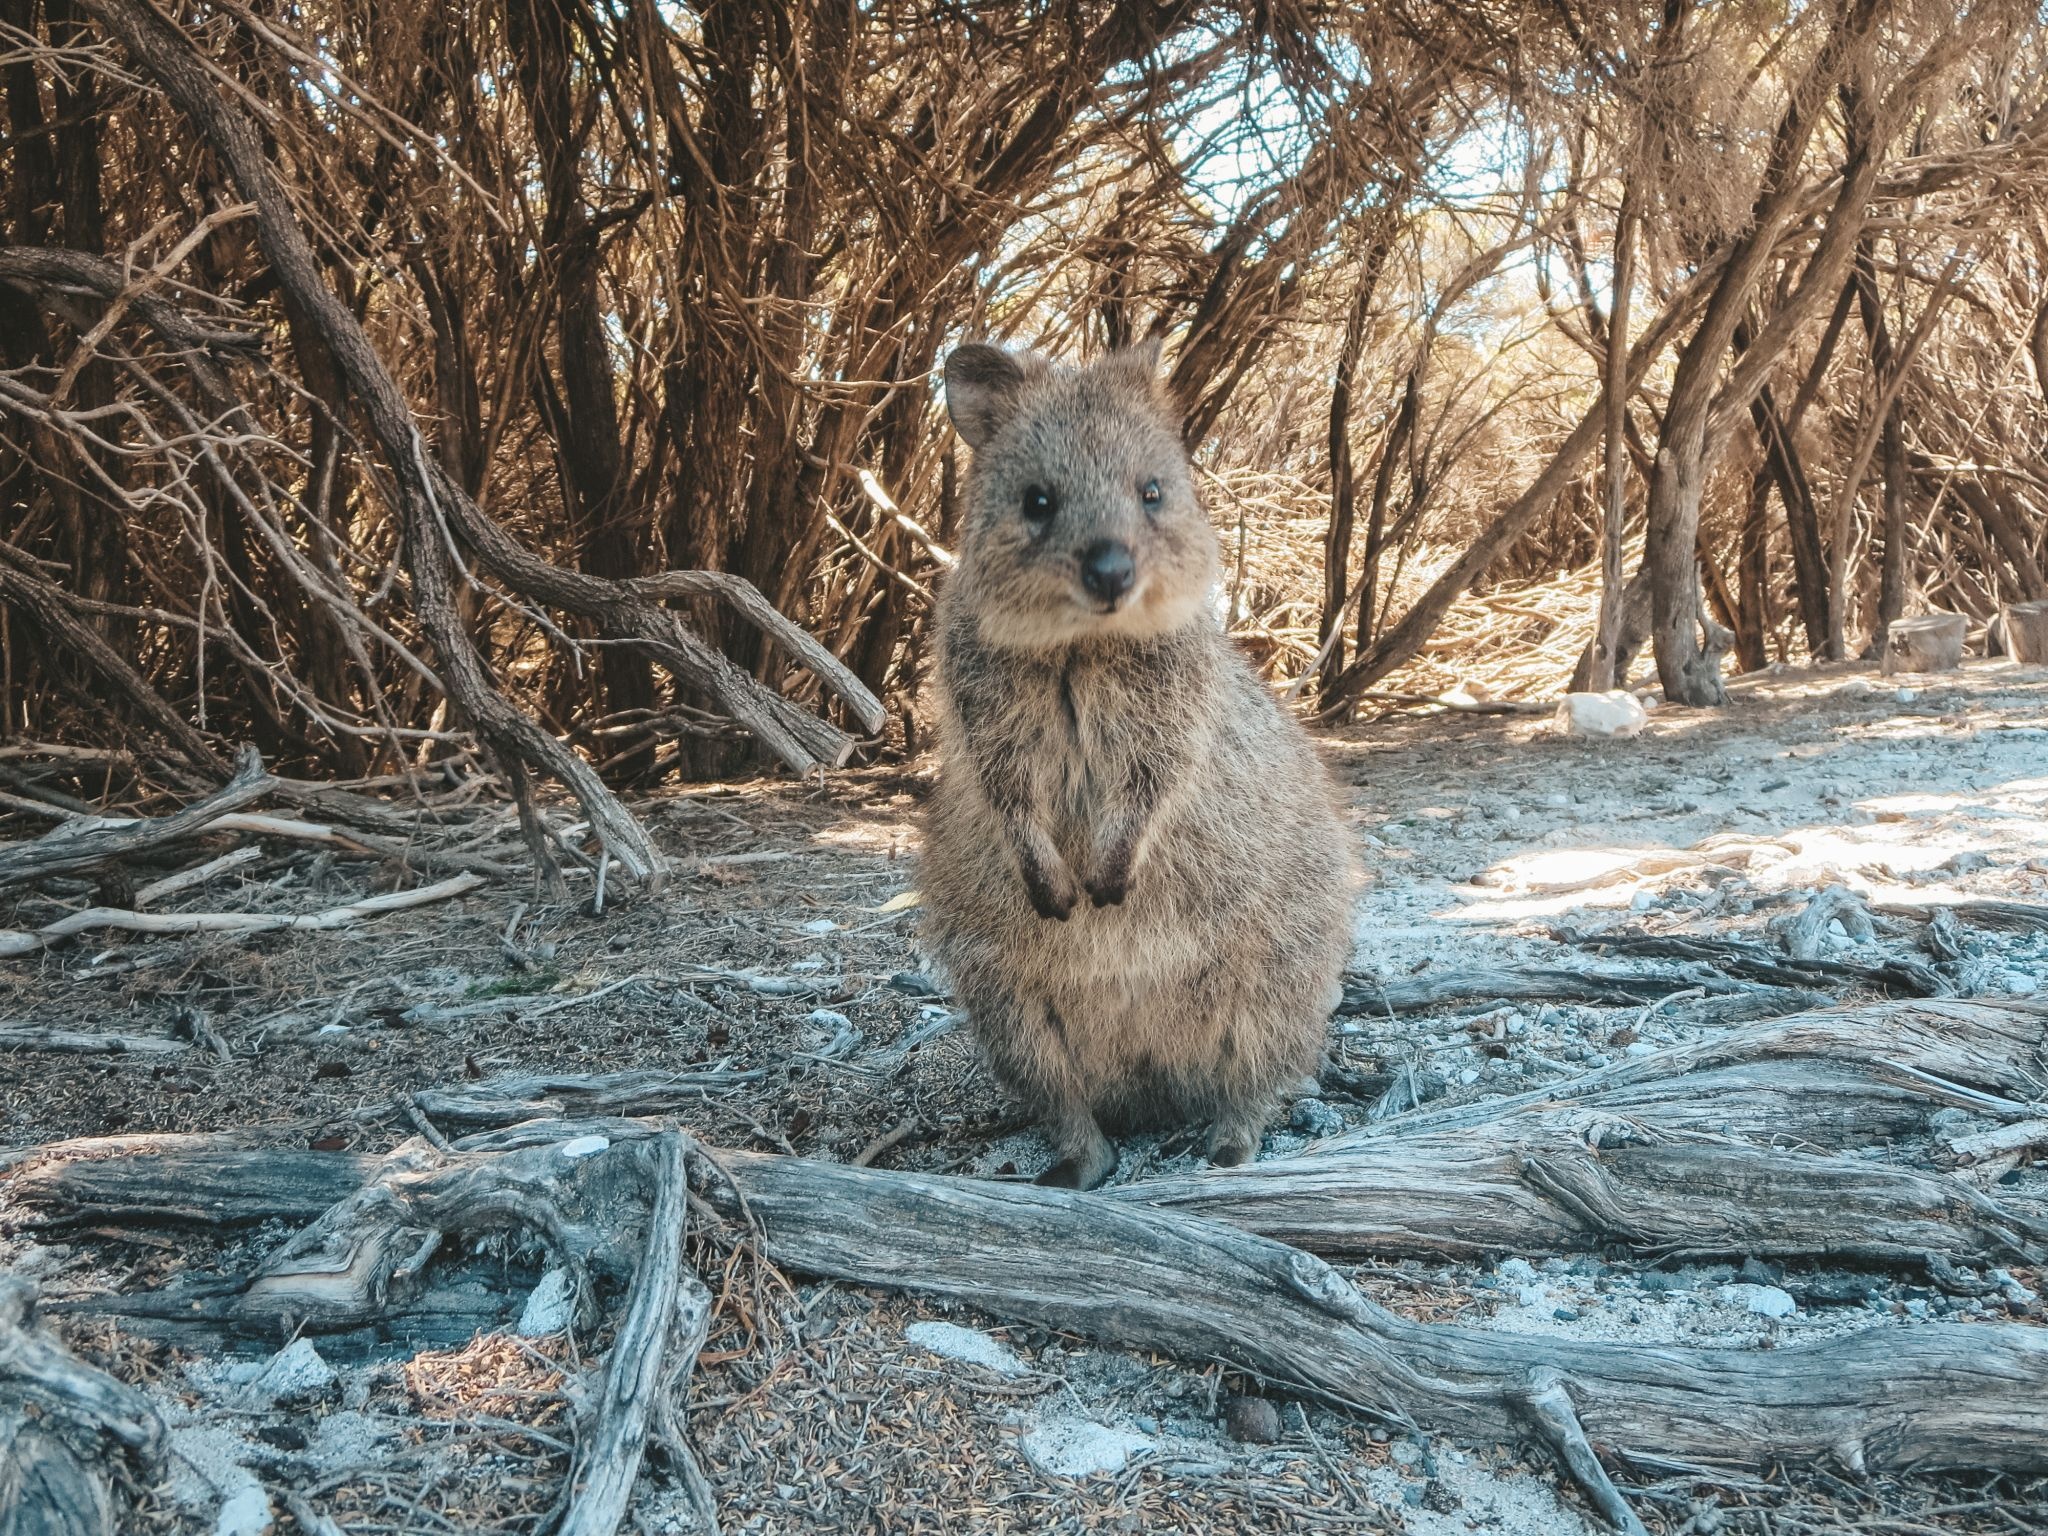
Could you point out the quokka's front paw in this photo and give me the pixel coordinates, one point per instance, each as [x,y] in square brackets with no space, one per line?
[1051,890]
[1111,881]
[1109,890]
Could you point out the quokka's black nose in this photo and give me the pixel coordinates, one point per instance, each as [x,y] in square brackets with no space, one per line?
[1107,569]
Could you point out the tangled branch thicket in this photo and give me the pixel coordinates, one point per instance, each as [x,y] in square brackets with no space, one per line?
[552,382]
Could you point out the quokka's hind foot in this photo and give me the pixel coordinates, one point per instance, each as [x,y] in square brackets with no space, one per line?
[1236,1141]
[1086,1160]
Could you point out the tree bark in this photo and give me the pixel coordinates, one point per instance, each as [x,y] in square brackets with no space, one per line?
[1601,674]
[1697,397]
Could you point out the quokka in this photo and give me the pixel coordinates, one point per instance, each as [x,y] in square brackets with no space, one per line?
[1134,871]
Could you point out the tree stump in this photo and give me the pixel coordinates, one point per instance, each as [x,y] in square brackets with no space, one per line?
[2026,632]
[1932,642]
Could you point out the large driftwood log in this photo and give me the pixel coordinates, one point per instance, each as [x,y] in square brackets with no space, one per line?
[1131,1274]
[1137,1267]
[1946,1395]
[1985,912]
[1722,1146]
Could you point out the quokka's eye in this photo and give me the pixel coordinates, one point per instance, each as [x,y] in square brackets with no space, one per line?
[1149,493]
[1039,503]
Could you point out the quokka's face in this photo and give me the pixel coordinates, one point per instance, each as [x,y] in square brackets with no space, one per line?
[1082,517]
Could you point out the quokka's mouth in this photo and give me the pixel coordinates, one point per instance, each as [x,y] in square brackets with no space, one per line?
[1110,607]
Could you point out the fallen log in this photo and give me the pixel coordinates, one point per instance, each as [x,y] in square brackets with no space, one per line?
[1984,912]
[1612,986]
[1130,1274]
[1655,1153]
[1757,962]
[1729,1146]
[1575,1181]
[1948,1395]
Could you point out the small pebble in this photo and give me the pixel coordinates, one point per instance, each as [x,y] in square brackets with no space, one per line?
[1763,1300]
[1312,1117]
[1252,1421]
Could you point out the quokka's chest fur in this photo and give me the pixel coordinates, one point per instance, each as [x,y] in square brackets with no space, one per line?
[1079,722]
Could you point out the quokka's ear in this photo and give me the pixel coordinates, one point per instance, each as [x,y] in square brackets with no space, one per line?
[1138,363]
[982,386]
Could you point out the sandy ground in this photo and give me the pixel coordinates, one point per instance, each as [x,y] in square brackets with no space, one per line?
[789,948]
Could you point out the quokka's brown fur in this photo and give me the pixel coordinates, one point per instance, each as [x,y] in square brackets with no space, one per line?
[1134,872]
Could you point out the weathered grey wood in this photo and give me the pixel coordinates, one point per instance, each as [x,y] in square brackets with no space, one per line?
[205,1182]
[1929,642]
[46,1490]
[2026,632]
[1130,1274]
[1984,912]
[1541,1188]
[508,1099]
[1757,962]
[1945,1395]
[669,1310]
[73,1042]
[46,1487]
[71,851]
[1834,1078]
[1612,985]
[33,1365]
[1713,1147]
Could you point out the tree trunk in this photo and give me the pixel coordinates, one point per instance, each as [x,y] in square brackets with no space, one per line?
[1891,597]
[1601,675]
[1690,674]
[606,538]
[1343,478]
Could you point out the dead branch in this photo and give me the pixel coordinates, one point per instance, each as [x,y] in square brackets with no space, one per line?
[73,849]
[72,1042]
[102,919]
